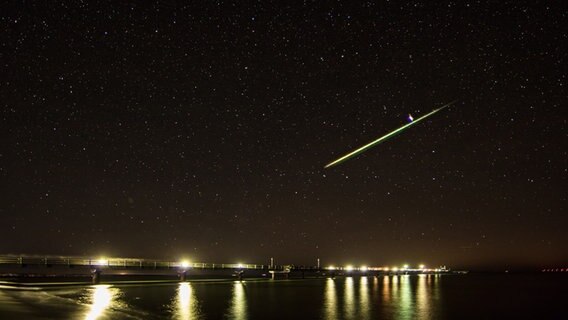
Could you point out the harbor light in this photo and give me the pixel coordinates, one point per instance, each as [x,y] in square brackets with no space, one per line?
[405,267]
[394,269]
[240,266]
[184,264]
[421,266]
[349,268]
[364,268]
[331,268]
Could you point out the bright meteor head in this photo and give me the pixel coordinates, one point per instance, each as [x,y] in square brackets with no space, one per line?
[386,136]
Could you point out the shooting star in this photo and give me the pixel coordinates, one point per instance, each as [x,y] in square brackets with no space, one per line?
[386,136]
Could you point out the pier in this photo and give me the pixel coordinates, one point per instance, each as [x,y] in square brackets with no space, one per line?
[104,269]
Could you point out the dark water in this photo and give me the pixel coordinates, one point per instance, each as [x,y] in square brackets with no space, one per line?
[389,297]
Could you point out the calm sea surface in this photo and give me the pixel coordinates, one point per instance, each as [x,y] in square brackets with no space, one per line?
[540,296]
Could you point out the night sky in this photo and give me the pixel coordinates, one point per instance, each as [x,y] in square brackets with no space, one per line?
[202,129]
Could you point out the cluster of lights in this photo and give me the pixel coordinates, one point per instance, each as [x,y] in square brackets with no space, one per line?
[405,267]
[185,264]
[350,268]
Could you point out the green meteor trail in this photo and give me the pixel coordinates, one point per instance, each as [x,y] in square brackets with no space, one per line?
[385,137]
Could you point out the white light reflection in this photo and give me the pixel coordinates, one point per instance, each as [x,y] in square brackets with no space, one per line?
[422,297]
[330,300]
[364,306]
[187,304]
[395,286]
[238,309]
[434,287]
[406,306]
[102,298]
[349,299]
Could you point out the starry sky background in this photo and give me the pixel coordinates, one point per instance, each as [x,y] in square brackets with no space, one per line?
[201,130]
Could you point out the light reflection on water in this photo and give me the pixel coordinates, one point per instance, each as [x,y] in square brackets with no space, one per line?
[102,298]
[187,306]
[406,304]
[381,297]
[364,307]
[349,300]
[399,297]
[386,289]
[330,300]
[238,309]
[422,299]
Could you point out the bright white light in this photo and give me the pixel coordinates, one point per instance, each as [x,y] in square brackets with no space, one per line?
[240,266]
[349,268]
[421,266]
[101,300]
[331,268]
[405,266]
[184,264]
[238,309]
[102,262]
[184,295]
[395,269]
[186,304]
[364,268]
